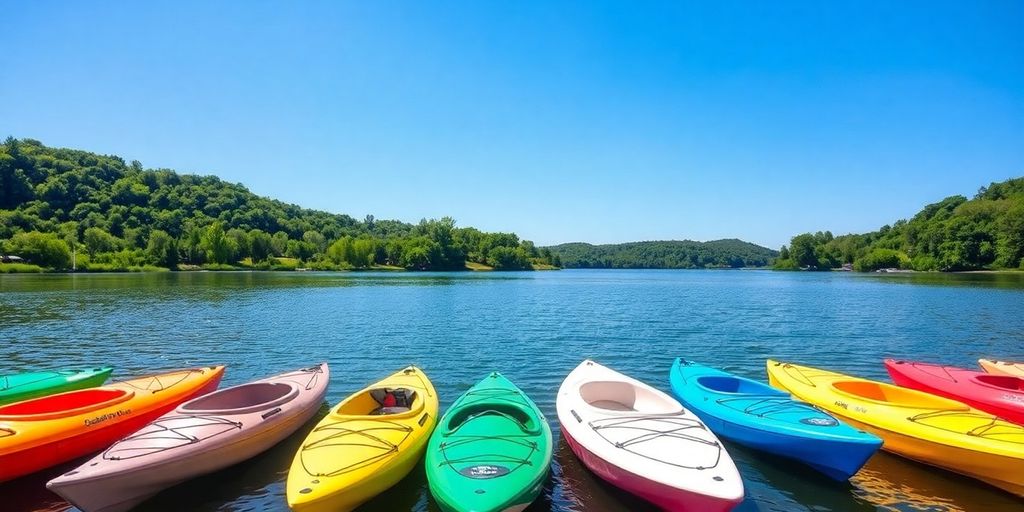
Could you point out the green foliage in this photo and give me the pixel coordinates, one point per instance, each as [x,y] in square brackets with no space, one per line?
[43,249]
[162,249]
[128,217]
[881,258]
[19,268]
[729,253]
[953,234]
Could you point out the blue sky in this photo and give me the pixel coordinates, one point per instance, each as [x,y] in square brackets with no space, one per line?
[560,121]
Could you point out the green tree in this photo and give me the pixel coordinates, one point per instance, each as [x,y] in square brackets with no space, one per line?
[217,245]
[261,245]
[98,240]
[43,249]
[162,249]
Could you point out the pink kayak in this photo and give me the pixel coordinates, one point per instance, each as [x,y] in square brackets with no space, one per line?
[1001,395]
[200,436]
[643,441]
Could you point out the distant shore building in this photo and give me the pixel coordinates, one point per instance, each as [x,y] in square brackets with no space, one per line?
[10,258]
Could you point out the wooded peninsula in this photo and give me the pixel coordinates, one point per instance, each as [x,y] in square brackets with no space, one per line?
[955,234]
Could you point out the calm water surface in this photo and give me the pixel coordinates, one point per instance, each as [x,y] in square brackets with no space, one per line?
[534,327]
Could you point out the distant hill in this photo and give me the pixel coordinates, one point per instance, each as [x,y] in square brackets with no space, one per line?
[113,215]
[728,253]
[986,232]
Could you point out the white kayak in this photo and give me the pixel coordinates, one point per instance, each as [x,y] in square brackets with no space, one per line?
[199,437]
[643,441]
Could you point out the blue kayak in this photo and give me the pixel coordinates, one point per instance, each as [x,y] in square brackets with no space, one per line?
[759,416]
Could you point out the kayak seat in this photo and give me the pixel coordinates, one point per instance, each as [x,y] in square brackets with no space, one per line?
[246,397]
[727,384]
[1002,381]
[511,412]
[622,396]
[64,404]
[403,401]
[894,395]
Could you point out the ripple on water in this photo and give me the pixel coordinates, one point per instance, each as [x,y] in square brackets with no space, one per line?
[534,328]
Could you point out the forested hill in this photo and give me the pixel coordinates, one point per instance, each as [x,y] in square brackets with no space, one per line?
[120,216]
[986,232]
[664,254]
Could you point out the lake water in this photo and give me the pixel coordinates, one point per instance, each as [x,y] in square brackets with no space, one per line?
[534,327]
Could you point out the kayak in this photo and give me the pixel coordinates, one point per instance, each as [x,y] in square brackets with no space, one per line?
[1001,395]
[491,451]
[43,432]
[644,442]
[198,437]
[920,426]
[365,445]
[1002,368]
[767,419]
[26,386]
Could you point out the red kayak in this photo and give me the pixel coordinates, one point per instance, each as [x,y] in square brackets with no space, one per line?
[1001,395]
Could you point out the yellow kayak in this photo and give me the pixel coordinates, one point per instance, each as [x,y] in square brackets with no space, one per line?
[365,445]
[917,425]
[1002,368]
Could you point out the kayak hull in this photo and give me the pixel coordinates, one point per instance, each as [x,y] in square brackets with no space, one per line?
[923,427]
[1002,368]
[663,496]
[491,451]
[763,418]
[30,443]
[359,449]
[1001,395]
[26,386]
[198,437]
[644,442]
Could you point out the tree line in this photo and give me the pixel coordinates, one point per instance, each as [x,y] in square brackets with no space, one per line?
[985,232]
[730,253]
[57,203]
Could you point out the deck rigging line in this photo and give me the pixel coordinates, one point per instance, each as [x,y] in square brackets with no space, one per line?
[5,383]
[681,425]
[945,375]
[989,427]
[768,406]
[169,433]
[365,439]
[160,382]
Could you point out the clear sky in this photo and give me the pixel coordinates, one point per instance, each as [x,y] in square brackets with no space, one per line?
[561,121]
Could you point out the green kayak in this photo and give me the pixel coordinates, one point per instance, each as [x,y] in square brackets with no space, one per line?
[25,386]
[491,450]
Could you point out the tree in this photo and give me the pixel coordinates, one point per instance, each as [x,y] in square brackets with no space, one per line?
[98,240]
[802,249]
[43,249]
[217,245]
[261,245]
[315,240]
[162,249]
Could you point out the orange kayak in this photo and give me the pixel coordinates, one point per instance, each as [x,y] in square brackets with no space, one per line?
[43,432]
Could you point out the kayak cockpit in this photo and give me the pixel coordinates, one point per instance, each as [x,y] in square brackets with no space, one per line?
[497,411]
[894,395]
[382,402]
[1001,381]
[242,399]
[737,385]
[65,404]
[619,396]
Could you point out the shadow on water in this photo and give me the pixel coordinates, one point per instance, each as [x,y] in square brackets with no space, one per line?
[583,491]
